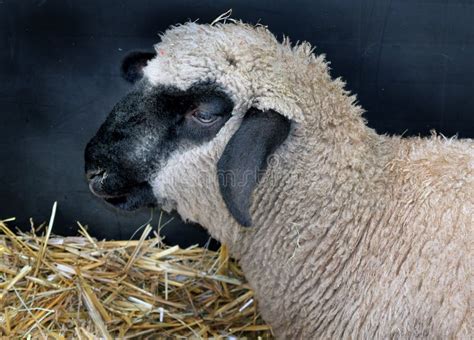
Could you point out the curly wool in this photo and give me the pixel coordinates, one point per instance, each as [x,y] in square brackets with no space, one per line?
[355,234]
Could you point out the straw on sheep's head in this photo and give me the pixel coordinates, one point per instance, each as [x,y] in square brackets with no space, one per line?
[208,109]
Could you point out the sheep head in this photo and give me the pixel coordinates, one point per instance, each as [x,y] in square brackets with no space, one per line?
[195,133]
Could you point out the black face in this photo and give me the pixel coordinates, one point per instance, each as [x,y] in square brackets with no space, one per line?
[142,130]
[150,123]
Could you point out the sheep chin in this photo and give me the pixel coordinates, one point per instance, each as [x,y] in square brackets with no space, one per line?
[167,205]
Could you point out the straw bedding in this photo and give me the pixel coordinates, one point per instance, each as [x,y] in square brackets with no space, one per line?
[78,287]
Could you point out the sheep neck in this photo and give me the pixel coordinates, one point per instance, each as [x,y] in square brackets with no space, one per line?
[297,222]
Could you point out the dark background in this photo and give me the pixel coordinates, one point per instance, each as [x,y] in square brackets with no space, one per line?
[411,62]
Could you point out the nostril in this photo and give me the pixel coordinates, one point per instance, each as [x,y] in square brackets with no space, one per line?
[91,174]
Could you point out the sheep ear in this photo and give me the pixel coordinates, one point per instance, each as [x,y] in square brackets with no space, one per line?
[133,64]
[245,158]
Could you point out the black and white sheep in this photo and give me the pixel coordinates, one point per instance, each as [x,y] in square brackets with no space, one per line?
[353,234]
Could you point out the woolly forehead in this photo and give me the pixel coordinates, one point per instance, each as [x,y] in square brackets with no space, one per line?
[247,62]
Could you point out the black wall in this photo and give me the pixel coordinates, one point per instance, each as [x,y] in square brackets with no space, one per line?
[409,61]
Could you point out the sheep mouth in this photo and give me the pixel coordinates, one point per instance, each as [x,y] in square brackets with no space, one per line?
[137,197]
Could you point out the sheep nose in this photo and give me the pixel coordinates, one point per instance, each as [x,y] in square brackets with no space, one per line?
[95,179]
[93,174]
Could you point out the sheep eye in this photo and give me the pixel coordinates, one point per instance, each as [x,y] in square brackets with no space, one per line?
[204,117]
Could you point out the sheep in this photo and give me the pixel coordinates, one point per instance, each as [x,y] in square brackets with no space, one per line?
[341,232]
